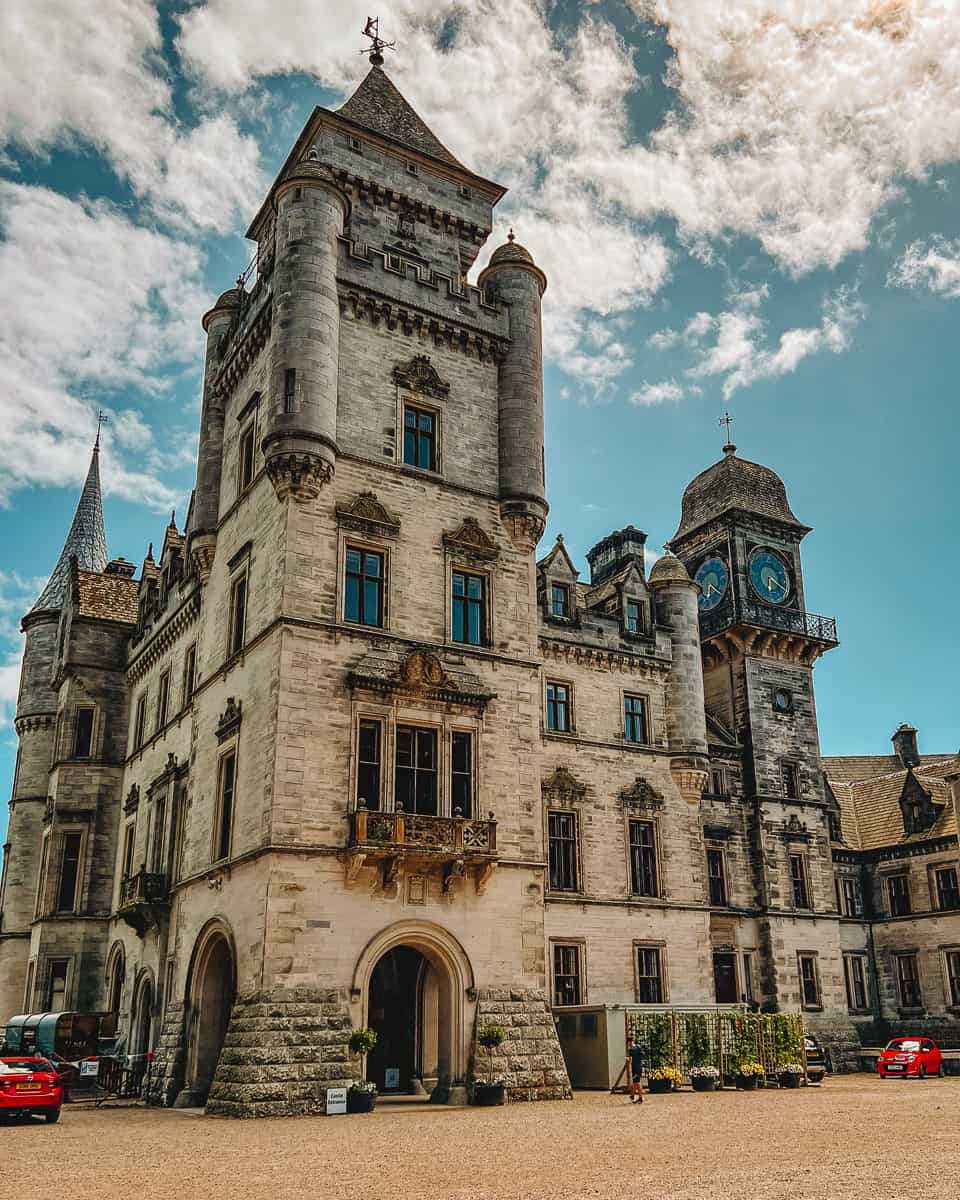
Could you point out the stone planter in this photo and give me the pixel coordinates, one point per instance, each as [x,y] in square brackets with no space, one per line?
[703,1083]
[748,1083]
[790,1079]
[361,1102]
[486,1095]
[658,1087]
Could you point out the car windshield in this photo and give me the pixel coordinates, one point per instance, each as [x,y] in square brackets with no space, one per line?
[908,1045]
[17,1066]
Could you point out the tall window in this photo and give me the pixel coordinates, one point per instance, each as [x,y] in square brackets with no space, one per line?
[563,856]
[908,981]
[140,722]
[798,878]
[57,985]
[290,390]
[469,609]
[898,892]
[953,977]
[126,866]
[635,719]
[948,893]
[809,981]
[718,782]
[227,784]
[566,975]
[558,707]
[189,674]
[238,614]
[634,616]
[247,458]
[163,699]
[850,894]
[40,907]
[158,857]
[461,773]
[419,438]
[790,777]
[363,593]
[369,759]
[748,977]
[855,977]
[649,975]
[643,859]
[83,742]
[70,846]
[416,770]
[716,878]
[559,600]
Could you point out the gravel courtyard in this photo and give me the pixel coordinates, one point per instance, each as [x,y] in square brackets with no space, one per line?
[854,1137]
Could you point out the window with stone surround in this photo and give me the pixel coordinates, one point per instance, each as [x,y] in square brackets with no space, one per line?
[558,707]
[810,997]
[246,457]
[469,608]
[798,880]
[748,989]
[39,907]
[416,777]
[560,601]
[238,614]
[951,964]
[790,780]
[58,972]
[163,699]
[28,990]
[852,902]
[461,773]
[140,722]
[126,861]
[643,858]
[369,763]
[364,586]
[83,739]
[908,981]
[567,974]
[226,785]
[290,390]
[635,617]
[948,891]
[420,440]
[635,727]
[718,782]
[716,877]
[898,895]
[189,674]
[855,979]
[158,847]
[650,975]
[563,851]
[68,877]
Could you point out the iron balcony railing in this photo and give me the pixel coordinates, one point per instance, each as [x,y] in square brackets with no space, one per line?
[739,611]
[146,887]
[416,831]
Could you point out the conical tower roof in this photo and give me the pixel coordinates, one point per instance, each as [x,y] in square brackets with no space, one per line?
[86,541]
[377,105]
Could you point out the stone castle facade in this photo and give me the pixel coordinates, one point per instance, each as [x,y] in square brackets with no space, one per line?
[347,754]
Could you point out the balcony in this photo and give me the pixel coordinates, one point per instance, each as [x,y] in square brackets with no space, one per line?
[785,622]
[144,899]
[392,839]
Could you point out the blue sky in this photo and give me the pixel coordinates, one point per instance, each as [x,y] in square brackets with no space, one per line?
[738,207]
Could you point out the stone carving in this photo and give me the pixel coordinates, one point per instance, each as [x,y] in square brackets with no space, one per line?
[523,529]
[472,539]
[423,671]
[641,794]
[230,719]
[132,800]
[202,553]
[562,787]
[367,515]
[299,475]
[419,375]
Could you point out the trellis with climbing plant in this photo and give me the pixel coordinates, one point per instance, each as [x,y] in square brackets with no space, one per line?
[725,1040]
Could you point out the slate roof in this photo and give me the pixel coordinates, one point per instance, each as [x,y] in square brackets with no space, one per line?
[734,483]
[870,813]
[106,597]
[86,541]
[377,105]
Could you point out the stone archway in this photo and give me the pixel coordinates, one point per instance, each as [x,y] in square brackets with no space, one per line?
[141,1020]
[211,990]
[415,985]
[116,971]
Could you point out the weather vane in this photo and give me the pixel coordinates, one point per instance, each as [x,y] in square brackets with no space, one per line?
[377,45]
[102,419]
[727,420]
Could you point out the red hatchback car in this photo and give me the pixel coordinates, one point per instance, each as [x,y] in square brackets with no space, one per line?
[905,1056]
[30,1087]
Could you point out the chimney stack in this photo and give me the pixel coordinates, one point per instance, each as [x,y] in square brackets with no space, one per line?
[905,746]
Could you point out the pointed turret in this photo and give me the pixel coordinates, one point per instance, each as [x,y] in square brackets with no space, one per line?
[86,541]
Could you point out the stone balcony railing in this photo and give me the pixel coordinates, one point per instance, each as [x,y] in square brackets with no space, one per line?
[144,898]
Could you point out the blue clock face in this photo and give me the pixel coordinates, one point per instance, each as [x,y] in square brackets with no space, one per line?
[769,576]
[713,578]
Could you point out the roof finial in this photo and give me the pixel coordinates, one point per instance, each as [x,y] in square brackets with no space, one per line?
[729,448]
[510,235]
[173,518]
[377,45]
[102,419]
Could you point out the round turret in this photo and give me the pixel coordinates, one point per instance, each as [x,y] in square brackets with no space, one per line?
[668,570]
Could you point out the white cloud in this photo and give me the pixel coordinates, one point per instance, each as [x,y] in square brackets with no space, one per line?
[933,264]
[17,594]
[667,392]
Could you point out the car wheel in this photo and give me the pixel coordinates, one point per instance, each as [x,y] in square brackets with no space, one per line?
[52,1117]
[940,1071]
[922,1072]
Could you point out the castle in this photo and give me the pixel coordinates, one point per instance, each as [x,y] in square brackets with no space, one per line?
[346,754]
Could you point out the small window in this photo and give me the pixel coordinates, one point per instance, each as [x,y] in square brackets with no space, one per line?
[469,609]
[855,978]
[363,593]
[649,975]
[419,438]
[189,674]
[748,993]
[953,977]
[461,773]
[809,981]
[643,859]
[83,743]
[238,614]
[465,192]
[798,878]
[558,707]
[782,700]
[567,987]
[140,722]
[559,601]
[394,263]
[415,783]
[356,144]
[290,390]
[948,893]
[369,763]
[412,168]
[850,894]
[70,846]
[898,892]
[718,782]
[126,864]
[634,617]
[247,458]
[227,785]
[716,878]
[908,981]
[790,777]
[57,985]
[563,851]
[635,719]
[163,699]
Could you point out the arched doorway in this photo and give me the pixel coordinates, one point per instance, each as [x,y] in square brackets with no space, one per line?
[116,970]
[141,1020]
[211,994]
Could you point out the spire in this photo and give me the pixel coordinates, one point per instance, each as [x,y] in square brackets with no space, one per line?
[86,541]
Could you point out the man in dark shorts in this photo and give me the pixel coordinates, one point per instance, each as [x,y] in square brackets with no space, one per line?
[635,1059]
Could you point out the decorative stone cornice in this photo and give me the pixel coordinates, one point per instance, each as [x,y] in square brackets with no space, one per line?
[299,474]
[244,351]
[524,529]
[365,514]
[363,306]
[641,794]
[563,787]
[471,539]
[595,656]
[690,778]
[419,375]
[132,800]
[33,724]
[421,674]
[164,639]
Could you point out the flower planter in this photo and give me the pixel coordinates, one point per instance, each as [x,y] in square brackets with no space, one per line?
[789,1079]
[748,1083]
[704,1083]
[488,1094]
[361,1102]
[658,1087]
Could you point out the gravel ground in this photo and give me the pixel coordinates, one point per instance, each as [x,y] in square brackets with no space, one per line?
[855,1136]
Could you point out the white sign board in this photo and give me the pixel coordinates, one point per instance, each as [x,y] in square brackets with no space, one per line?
[391,1079]
[90,1068]
[336,1101]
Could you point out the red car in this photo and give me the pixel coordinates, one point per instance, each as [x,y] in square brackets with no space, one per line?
[30,1087]
[905,1056]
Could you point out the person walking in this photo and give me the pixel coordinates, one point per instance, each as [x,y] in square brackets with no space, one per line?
[635,1061]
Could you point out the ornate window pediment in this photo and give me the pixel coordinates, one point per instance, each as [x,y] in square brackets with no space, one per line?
[563,787]
[230,719]
[471,539]
[132,799]
[420,375]
[419,673]
[641,794]
[365,514]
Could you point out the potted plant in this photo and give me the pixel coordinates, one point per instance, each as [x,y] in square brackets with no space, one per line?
[361,1096]
[663,1079]
[749,1075]
[704,1079]
[490,1089]
[789,1074]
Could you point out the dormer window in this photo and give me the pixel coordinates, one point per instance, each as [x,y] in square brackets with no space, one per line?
[634,616]
[560,601]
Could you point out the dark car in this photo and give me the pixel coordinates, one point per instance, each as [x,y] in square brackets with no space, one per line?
[30,1087]
[816,1059]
